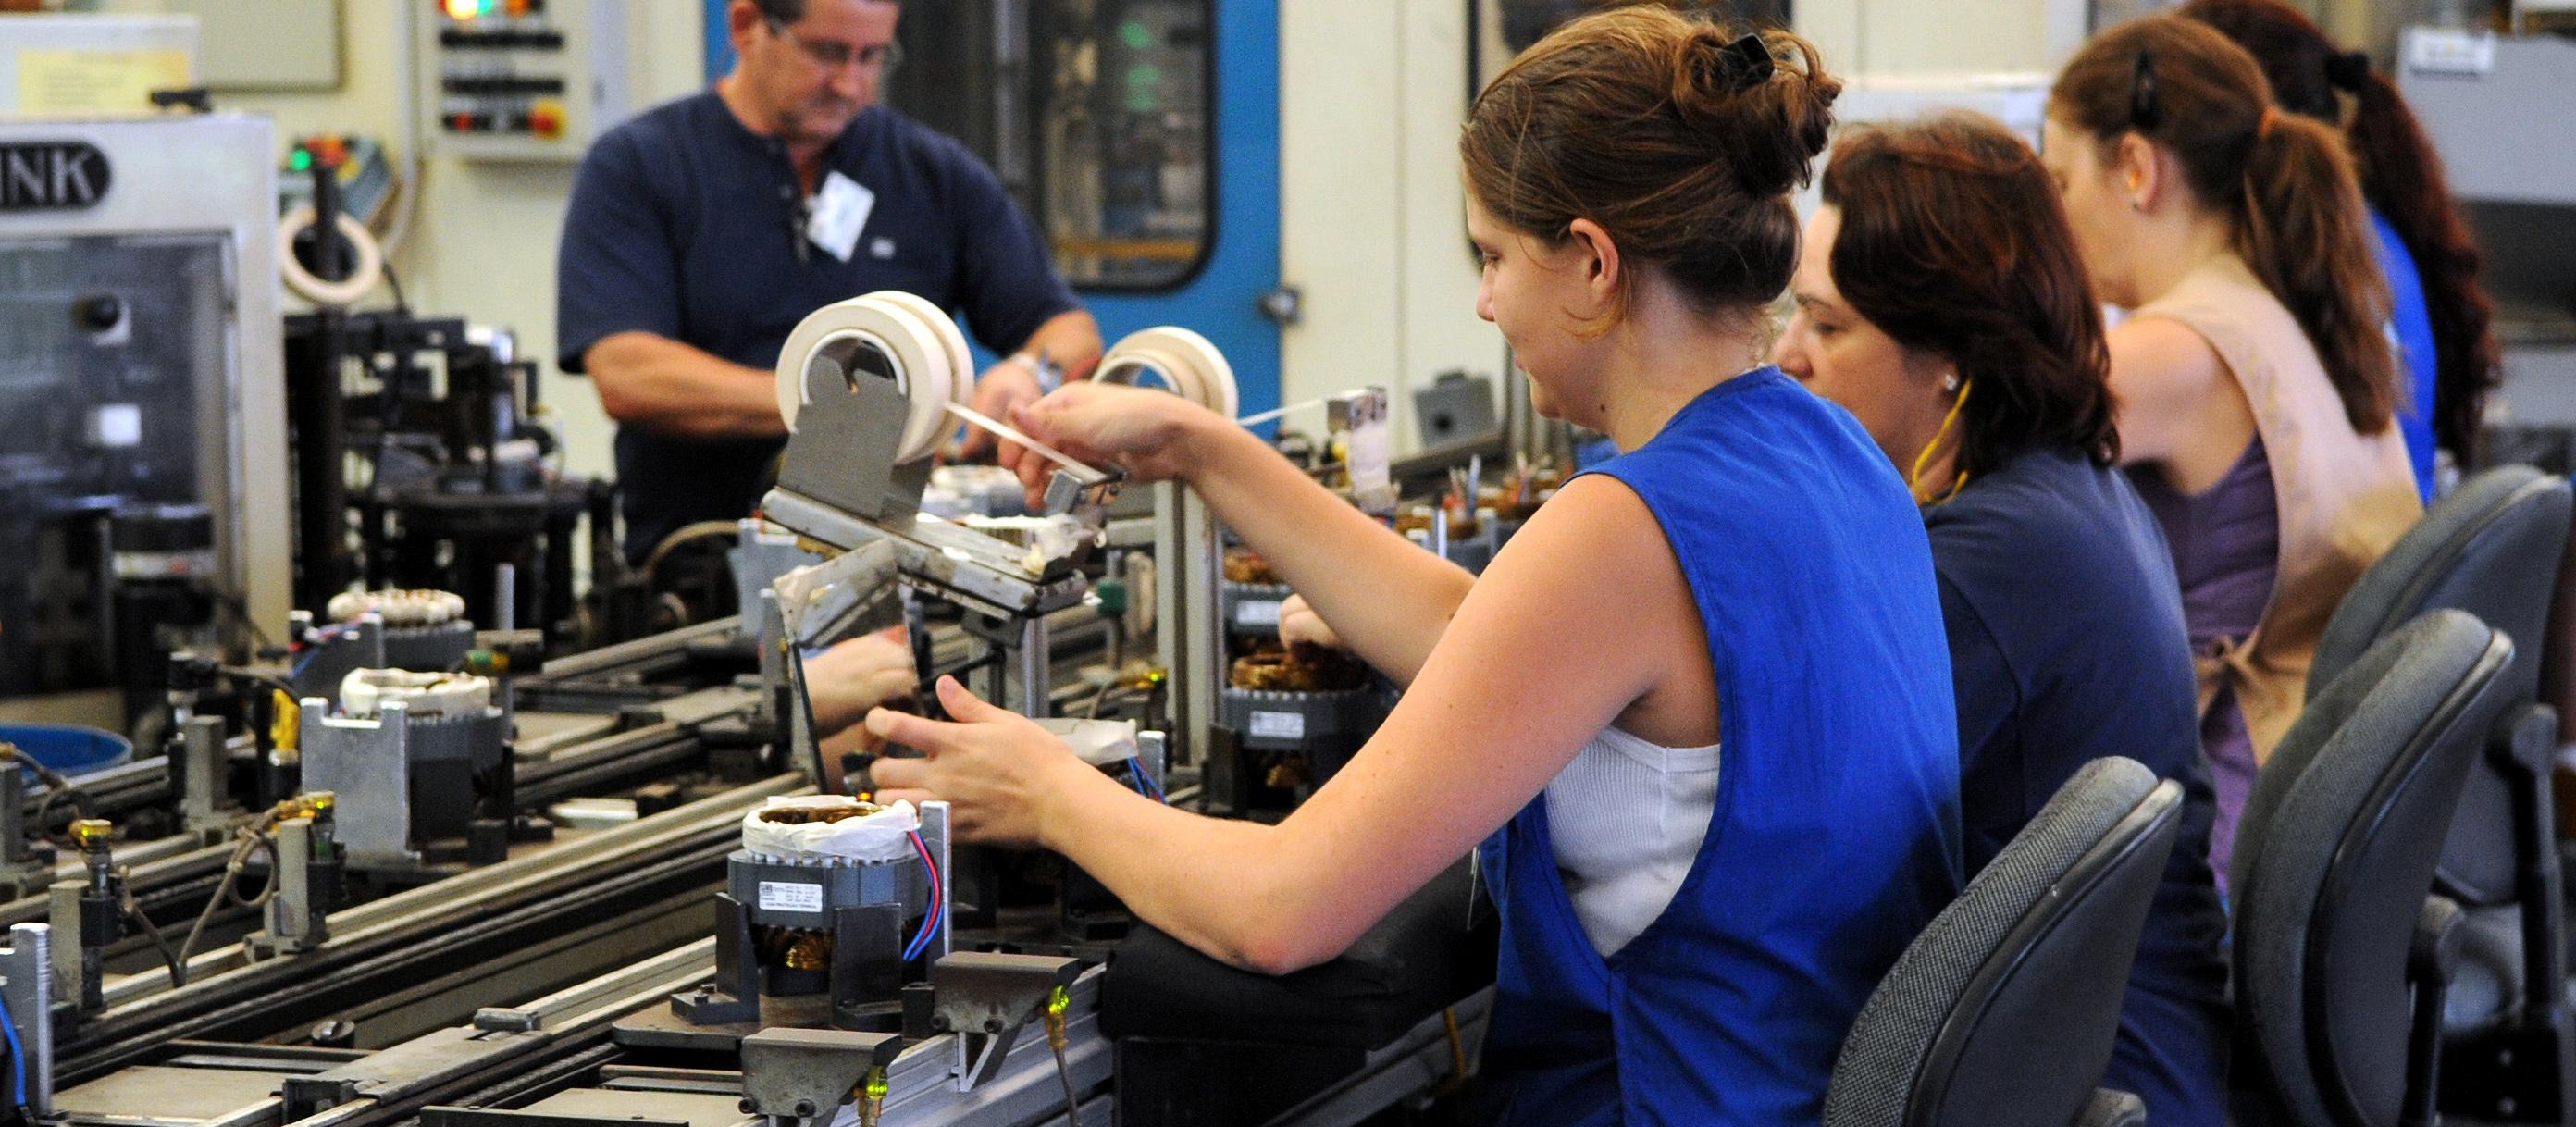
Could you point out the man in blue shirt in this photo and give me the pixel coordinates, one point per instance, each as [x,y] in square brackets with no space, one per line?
[702,231]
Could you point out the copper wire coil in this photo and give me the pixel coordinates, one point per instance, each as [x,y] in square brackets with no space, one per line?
[794,948]
[1302,667]
[806,815]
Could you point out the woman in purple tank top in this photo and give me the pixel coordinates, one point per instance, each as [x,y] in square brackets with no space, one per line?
[2256,386]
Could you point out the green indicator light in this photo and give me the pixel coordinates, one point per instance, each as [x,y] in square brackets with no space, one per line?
[300,161]
[1135,34]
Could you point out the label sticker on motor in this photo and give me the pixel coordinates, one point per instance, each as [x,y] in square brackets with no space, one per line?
[1262,613]
[1279,725]
[790,896]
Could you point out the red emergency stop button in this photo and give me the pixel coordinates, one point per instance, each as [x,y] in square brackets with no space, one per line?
[546,120]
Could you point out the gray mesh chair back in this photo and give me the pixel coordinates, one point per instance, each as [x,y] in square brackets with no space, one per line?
[2002,1013]
[2492,549]
[2334,861]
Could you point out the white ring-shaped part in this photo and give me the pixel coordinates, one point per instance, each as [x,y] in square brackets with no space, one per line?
[1185,360]
[927,352]
[312,287]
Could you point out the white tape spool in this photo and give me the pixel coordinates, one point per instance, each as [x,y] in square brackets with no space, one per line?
[314,288]
[1186,361]
[928,354]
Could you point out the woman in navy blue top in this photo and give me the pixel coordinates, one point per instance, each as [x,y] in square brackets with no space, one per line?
[2440,316]
[1695,715]
[1940,297]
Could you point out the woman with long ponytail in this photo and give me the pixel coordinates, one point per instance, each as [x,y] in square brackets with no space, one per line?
[2440,314]
[2256,387]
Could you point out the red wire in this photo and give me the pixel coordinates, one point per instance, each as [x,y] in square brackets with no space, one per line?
[938,897]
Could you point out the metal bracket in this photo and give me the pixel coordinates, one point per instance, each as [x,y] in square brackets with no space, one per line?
[201,750]
[294,921]
[821,601]
[808,1074]
[985,998]
[735,993]
[27,984]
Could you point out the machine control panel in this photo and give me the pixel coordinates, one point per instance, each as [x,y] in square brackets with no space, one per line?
[521,79]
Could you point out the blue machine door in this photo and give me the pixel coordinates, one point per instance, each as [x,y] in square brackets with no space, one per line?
[1221,296]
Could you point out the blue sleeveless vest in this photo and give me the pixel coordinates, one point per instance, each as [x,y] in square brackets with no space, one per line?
[1836,830]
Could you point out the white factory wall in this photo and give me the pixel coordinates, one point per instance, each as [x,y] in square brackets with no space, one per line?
[1372,226]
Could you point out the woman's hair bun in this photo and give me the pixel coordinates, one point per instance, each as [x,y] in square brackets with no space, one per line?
[1761,99]
[1681,138]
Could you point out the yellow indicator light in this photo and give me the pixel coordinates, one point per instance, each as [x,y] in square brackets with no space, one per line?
[466,9]
[89,832]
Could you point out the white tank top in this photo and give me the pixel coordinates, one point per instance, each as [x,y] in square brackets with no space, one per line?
[1626,818]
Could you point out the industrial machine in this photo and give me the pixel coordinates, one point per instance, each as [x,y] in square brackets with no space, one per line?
[2473,92]
[139,352]
[699,939]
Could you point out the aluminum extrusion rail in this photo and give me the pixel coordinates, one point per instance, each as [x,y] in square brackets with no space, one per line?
[476,917]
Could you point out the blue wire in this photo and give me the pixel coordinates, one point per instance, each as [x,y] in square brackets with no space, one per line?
[939,893]
[1145,784]
[17,1056]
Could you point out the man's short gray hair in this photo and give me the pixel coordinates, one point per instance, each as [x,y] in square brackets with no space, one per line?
[790,11]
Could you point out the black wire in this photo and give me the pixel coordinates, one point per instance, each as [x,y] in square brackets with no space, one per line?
[1064,1075]
[257,678]
[133,911]
[393,281]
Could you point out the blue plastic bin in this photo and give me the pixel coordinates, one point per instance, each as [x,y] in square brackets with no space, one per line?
[68,748]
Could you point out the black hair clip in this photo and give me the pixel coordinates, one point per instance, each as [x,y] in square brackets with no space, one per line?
[2348,71]
[1746,62]
[2144,115]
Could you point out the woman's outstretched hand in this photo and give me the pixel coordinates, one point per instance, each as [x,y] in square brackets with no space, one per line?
[1143,431]
[1000,773]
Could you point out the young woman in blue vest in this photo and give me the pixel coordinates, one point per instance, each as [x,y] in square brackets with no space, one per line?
[1940,298]
[1697,713]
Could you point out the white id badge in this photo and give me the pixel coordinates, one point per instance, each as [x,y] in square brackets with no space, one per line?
[839,212]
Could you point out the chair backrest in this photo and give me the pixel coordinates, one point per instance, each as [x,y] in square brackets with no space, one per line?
[2002,1013]
[2334,856]
[2491,548]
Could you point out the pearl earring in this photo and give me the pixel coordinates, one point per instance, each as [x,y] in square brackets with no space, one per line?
[1950,381]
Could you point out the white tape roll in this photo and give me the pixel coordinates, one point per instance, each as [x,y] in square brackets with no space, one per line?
[928,355]
[1182,360]
[314,288]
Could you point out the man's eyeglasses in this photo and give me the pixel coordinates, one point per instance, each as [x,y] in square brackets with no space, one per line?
[832,56]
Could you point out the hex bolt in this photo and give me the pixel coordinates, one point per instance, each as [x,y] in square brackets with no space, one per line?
[804,1107]
[993,1025]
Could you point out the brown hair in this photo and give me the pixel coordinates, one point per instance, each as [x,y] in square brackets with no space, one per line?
[2286,181]
[1955,243]
[2402,175]
[1657,126]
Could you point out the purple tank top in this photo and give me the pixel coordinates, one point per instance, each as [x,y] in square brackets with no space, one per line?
[2226,545]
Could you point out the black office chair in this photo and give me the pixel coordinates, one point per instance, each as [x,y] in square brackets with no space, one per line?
[2492,548]
[2002,1013]
[2342,952]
